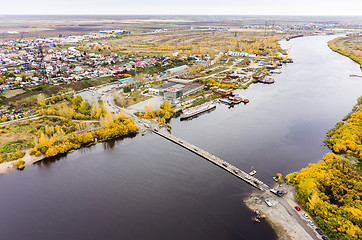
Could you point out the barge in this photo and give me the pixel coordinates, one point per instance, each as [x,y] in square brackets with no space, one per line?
[190,112]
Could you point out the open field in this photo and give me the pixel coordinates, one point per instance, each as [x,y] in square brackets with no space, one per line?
[12,93]
[189,42]
[34,26]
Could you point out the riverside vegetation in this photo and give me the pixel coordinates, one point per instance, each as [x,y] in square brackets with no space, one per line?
[331,190]
[346,136]
[63,137]
[66,122]
[349,46]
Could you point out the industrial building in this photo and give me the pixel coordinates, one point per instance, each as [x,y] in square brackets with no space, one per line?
[176,69]
[173,90]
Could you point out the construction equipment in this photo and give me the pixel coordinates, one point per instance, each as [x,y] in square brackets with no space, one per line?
[286,60]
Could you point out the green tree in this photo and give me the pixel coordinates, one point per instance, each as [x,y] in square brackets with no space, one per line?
[84,108]
[77,101]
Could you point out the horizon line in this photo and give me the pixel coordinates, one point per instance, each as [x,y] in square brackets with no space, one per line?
[162,14]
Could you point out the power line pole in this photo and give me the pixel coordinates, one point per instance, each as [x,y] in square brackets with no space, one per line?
[135,75]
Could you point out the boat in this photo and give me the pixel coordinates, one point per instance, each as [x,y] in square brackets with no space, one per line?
[354,75]
[255,219]
[267,80]
[291,37]
[186,113]
[243,99]
[268,202]
[276,71]
[225,100]
[252,172]
[287,61]
[235,100]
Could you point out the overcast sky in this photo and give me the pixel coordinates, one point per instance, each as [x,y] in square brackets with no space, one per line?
[191,7]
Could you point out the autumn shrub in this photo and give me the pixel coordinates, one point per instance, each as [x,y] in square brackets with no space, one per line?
[32,151]
[19,164]
[346,136]
[17,154]
[331,191]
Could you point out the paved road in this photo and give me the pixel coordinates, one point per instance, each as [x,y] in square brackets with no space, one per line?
[298,216]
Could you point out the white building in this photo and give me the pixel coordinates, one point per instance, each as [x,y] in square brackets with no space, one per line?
[176,69]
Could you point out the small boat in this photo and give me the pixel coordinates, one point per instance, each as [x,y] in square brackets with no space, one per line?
[225,100]
[267,80]
[275,71]
[255,219]
[252,172]
[237,99]
[243,99]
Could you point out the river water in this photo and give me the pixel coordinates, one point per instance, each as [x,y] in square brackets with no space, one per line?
[145,187]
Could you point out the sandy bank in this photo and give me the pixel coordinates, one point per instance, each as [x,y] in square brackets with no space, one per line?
[28,159]
[285,220]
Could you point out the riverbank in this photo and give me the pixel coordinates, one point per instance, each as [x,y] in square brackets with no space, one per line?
[28,159]
[347,46]
[282,216]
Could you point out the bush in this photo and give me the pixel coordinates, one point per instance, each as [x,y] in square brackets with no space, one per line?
[19,163]
[32,151]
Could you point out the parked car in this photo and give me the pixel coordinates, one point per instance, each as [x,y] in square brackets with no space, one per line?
[324,238]
[224,164]
[305,216]
[297,208]
[311,222]
[319,231]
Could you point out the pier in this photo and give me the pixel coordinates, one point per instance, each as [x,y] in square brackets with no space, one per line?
[215,160]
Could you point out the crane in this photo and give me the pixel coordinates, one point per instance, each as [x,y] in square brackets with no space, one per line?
[286,58]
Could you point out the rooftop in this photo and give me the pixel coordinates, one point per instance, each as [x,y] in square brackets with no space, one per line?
[164,85]
[183,81]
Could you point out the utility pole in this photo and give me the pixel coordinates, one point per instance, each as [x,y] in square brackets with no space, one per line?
[266,25]
[135,75]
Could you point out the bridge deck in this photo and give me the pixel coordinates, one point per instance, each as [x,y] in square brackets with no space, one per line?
[217,161]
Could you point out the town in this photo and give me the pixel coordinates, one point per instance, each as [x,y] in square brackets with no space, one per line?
[28,65]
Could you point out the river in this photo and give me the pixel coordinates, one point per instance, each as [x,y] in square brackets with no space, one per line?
[145,187]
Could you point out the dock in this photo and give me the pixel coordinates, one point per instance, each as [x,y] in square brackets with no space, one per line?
[215,160]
